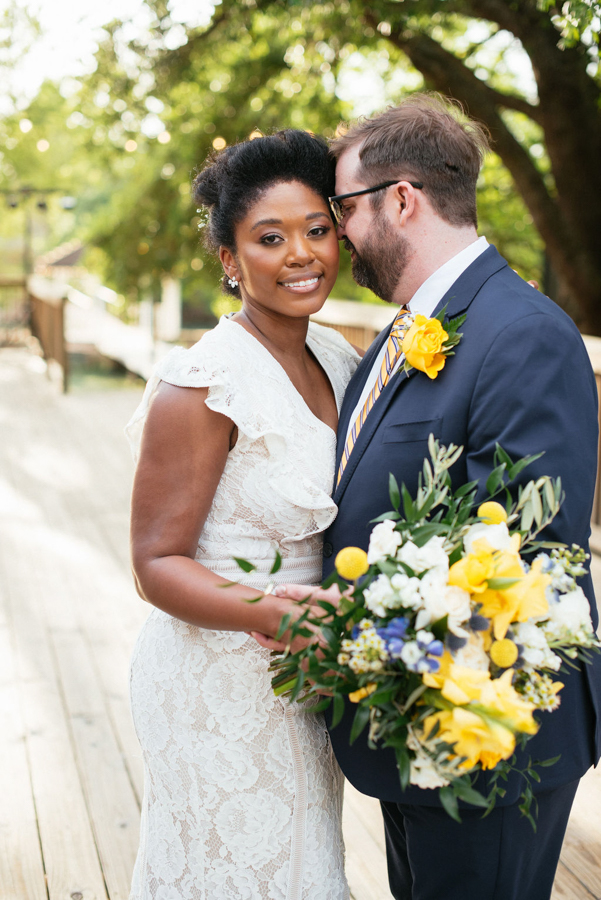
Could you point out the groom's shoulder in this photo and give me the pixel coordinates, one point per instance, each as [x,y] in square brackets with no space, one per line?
[507,302]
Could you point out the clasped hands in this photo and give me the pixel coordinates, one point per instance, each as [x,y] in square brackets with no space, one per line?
[296,593]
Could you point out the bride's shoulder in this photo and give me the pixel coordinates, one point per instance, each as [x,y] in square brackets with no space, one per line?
[218,350]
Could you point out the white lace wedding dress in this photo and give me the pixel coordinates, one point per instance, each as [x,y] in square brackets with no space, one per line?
[242,795]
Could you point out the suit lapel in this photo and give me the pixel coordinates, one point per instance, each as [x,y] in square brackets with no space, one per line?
[457,300]
[353,391]
[369,427]
[462,292]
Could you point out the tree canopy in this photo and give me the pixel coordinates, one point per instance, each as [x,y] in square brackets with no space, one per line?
[127,138]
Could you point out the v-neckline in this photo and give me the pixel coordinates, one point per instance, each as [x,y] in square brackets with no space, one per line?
[287,376]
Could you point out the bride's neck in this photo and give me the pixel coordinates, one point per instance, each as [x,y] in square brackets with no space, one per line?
[283,336]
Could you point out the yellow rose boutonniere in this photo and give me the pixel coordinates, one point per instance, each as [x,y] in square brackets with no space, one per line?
[427,343]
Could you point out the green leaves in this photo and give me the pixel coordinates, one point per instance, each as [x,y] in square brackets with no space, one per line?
[403,763]
[538,504]
[359,722]
[244,564]
[393,491]
[501,584]
[448,799]
[338,710]
[345,660]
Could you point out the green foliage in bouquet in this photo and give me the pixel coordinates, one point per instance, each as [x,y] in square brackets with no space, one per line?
[445,638]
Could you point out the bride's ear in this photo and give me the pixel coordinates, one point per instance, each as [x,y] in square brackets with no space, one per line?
[228,262]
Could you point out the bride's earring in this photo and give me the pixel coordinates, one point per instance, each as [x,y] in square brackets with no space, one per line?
[233,282]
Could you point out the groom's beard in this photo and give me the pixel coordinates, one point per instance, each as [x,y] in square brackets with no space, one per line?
[383,258]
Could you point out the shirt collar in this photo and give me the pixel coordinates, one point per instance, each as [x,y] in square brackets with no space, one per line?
[430,293]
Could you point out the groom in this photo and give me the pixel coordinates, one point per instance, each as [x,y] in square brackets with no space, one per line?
[406,207]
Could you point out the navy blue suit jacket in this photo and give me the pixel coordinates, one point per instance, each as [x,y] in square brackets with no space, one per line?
[520,377]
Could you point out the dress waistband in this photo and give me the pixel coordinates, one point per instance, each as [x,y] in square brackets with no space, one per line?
[298,570]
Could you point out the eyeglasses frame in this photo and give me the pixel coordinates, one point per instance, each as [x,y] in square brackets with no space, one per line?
[336,198]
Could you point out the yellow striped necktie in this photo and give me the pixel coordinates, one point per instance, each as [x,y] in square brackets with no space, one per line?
[391,357]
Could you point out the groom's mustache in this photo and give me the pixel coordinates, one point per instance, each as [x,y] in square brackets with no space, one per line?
[347,245]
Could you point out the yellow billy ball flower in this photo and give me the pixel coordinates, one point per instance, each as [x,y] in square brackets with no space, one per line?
[504,653]
[492,513]
[355,696]
[351,563]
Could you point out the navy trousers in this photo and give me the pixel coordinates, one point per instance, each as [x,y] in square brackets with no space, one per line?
[432,857]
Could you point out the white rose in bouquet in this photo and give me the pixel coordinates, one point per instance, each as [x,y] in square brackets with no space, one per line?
[441,599]
[381,596]
[473,655]
[408,590]
[431,555]
[536,652]
[424,774]
[572,612]
[384,541]
[497,536]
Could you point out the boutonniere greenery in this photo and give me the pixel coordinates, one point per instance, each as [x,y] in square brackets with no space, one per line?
[428,342]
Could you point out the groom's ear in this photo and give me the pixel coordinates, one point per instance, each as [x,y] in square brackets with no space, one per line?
[405,202]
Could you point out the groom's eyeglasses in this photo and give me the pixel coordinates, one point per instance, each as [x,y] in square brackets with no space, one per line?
[338,210]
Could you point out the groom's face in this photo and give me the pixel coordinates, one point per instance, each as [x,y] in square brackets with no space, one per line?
[379,253]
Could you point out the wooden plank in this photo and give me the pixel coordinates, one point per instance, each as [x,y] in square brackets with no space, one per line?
[21,864]
[114,812]
[568,887]
[582,846]
[68,847]
[112,621]
[71,572]
[71,476]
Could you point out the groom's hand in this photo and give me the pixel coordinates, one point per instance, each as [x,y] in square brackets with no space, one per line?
[297,593]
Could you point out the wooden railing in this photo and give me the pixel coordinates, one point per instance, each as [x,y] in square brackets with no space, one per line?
[48,301]
[360,323]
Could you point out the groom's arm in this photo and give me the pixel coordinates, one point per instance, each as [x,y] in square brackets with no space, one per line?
[536,392]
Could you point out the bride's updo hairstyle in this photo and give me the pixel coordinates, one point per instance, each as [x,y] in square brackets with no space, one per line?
[233,179]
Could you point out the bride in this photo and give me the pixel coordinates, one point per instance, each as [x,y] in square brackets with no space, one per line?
[235,440]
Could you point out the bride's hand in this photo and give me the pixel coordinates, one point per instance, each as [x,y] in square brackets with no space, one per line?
[297,593]
[313,593]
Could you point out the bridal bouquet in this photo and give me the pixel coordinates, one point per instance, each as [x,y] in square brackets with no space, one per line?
[446,638]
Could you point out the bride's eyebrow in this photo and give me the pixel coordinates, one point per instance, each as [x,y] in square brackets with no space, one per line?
[308,217]
[266,222]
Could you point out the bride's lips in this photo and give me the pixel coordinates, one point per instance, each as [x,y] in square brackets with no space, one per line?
[302,285]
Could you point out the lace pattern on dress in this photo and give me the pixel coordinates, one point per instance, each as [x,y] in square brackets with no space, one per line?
[242,792]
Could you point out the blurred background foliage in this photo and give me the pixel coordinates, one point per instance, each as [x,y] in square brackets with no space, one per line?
[125,139]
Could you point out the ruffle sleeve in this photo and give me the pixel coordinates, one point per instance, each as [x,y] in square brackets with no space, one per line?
[284,454]
[213,363]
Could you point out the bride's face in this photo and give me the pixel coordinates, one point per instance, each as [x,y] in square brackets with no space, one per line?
[286,257]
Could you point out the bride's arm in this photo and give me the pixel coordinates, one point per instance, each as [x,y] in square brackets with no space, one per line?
[183,454]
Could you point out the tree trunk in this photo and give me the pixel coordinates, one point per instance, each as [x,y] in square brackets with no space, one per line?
[567,213]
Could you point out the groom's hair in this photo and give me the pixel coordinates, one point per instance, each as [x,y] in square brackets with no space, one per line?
[427,139]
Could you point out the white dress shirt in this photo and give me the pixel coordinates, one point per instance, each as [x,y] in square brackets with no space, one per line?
[424,301]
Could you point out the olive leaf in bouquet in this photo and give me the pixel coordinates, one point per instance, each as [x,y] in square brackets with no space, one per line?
[450,630]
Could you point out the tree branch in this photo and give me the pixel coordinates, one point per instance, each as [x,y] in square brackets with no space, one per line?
[512,101]
[446,73]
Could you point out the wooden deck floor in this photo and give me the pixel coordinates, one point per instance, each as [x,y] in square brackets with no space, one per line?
[70,768]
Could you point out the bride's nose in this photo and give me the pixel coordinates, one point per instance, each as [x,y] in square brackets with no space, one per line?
[300,252]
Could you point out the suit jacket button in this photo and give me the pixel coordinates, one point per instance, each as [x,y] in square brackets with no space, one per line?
[327,549]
